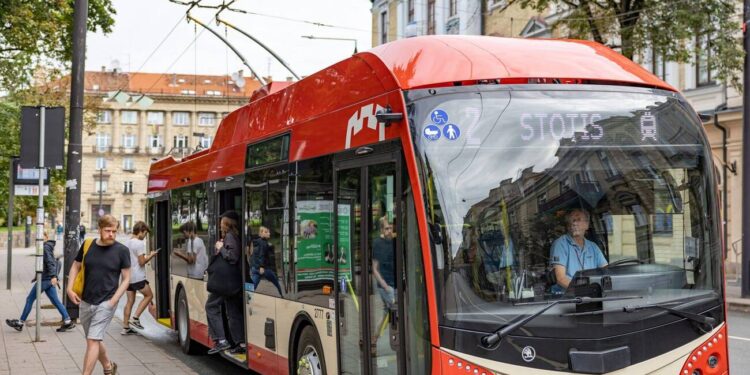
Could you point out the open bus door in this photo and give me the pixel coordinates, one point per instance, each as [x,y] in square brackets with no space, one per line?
[160,232]
[368,261]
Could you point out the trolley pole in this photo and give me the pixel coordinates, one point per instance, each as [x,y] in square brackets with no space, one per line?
[746,155]
[75,135]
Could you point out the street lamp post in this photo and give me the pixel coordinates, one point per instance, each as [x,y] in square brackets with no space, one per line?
[326,38]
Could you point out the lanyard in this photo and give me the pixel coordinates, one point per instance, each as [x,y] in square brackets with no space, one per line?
[580,255]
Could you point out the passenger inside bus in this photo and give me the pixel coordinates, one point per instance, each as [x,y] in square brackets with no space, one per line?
[194,254]
[384,270]
[572,252]
[261,265]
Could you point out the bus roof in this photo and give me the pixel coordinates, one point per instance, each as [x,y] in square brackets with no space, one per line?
[434,60]
[328,100]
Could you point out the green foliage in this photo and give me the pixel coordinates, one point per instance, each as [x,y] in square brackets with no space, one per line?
[39,32]
[669,28]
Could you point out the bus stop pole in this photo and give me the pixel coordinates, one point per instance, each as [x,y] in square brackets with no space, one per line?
[40,226]
[11,192]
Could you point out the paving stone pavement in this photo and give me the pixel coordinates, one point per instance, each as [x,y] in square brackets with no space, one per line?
[62,353]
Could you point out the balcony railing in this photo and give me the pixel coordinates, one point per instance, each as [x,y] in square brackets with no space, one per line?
[101,149]
[128,150]
[155,150]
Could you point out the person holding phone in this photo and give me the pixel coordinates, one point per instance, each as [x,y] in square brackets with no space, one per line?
[138,282]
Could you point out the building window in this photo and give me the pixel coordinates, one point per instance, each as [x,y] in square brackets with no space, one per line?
[128,140]
[127,164]
[100,186]
[492,4]
[102,141]
[609,168]
[155,118]
[127,187]
[128,117]
[206,118]
[704,75]
[541,200]
[181,118]
[101,163]
[383,27]
[410,7]
[154,141]
[104,117]
[452,8]
[430,17]
[565,184]
[180,141]
[205,141]
[213,92]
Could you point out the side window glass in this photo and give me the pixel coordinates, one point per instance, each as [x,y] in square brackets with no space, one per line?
[180,207]
[313,232]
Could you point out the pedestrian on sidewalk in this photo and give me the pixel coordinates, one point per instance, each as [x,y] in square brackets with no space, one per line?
[82,232]
[138,260]
[49,287]
[105,263]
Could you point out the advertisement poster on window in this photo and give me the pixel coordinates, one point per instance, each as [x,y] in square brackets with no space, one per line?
[315,256]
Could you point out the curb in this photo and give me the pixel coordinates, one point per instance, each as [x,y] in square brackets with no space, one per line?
[738,304]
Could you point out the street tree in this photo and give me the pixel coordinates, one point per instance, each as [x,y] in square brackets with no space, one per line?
[39,33]
[670,29]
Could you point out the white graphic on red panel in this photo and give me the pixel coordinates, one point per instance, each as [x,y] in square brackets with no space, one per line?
[357,122]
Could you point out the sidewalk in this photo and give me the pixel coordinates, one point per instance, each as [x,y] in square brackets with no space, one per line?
[734,301]
[63,352]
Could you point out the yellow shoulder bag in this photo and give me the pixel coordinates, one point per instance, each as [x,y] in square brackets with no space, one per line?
[78,283]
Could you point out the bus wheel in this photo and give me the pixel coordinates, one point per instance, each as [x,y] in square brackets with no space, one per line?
[309,353]
[183,326]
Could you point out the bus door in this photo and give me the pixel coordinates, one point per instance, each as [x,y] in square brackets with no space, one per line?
[229,198]
[368,303]
[161,231]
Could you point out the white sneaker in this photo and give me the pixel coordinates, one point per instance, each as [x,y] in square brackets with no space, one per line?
[128,331]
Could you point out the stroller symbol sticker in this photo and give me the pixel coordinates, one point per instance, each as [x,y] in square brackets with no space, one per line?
[431,132]
[439,117]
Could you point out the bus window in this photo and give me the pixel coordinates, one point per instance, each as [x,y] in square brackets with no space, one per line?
[266,192]
[313,232]
[180,204]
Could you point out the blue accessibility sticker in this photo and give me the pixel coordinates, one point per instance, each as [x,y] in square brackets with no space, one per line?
[431,132]
[439,117]
[451,132]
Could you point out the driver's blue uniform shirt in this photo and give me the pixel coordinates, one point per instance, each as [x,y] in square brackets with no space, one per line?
[567,253]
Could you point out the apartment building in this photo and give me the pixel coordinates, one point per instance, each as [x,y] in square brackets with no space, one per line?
[144,117]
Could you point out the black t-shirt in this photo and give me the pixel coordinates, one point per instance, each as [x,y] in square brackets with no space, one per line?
[383,252]
[102,273]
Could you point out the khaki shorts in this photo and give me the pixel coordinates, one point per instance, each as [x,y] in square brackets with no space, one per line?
[95,319]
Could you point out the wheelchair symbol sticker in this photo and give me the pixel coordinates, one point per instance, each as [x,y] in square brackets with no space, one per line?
[431,132]
[451,132]
[439,117]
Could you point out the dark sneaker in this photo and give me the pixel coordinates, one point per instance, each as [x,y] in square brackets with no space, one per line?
[135,322]
[66,327]
[238,349]
[15,324]
[220,347]
[128,331]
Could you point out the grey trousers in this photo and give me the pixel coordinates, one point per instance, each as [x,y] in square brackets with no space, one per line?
[233,308]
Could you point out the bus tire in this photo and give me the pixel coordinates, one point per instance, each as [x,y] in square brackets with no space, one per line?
[188,345]
[310,360]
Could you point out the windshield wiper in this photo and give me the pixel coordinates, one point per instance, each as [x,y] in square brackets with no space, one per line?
[665,306]
[519,321]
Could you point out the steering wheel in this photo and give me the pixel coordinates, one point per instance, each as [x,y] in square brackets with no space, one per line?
[628,260]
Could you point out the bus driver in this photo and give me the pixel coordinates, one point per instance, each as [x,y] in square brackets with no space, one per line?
[572,252]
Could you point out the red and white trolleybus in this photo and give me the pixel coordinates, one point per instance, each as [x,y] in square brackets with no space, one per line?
[414,194]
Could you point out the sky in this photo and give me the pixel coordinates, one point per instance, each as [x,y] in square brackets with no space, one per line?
[142,25]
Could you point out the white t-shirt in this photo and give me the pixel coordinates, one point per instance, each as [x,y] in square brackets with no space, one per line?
[197,248]
[137,248]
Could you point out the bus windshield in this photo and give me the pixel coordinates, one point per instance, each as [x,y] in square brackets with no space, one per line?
[535,193]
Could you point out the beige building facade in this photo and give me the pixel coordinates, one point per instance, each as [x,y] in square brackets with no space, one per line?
[142,118]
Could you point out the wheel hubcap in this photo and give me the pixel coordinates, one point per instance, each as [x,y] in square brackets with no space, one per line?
[309,362]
